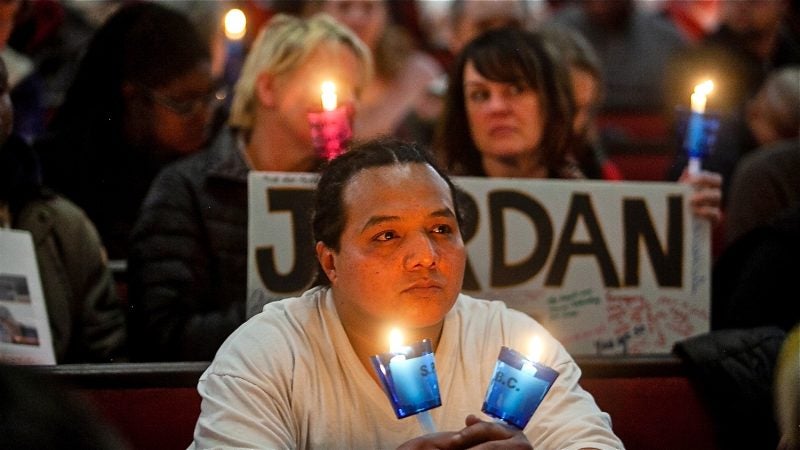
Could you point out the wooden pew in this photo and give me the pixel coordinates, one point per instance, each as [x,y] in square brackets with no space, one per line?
[651,401]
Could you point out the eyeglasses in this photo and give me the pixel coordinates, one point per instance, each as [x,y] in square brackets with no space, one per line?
[190,106]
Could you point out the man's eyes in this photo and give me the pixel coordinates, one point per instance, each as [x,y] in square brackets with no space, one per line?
[384,236]
[443,229]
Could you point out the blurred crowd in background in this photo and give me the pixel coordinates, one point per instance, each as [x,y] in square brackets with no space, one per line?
[128,128]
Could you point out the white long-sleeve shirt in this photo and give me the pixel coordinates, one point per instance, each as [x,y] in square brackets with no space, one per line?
[289,378]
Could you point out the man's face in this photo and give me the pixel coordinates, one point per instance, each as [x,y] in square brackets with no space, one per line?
[401,258]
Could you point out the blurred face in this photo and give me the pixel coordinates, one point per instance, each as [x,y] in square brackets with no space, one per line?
[760,120]
[183,109]
[480,16]
[586,90]
[367,18]
[752,17]
[6,109]
[295,94]
[607,13]
[8,12]
[505,119]
[401,259]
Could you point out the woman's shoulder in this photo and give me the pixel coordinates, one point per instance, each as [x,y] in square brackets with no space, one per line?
[53,215]
[53,208]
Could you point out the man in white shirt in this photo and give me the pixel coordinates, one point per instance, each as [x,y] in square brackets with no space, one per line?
[298,375]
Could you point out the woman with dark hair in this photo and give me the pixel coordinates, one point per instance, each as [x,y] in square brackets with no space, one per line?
[505,90]
[510,112]
[142,96]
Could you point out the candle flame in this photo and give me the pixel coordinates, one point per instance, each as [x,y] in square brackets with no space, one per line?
[328,96]
[535,350]
[395,341]
[235,24]
[704,88]
[699,95]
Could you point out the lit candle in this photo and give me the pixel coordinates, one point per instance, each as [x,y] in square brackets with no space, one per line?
[328,96]
[695,131]
[235,27]
[700,95]
[408,377]
[235,24]
[330,128]
[405,371]
[518,385]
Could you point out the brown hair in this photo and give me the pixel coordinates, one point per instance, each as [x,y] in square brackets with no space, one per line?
[508,55]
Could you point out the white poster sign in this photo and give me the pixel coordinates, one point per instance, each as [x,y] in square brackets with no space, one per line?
[609,268]
[24,329]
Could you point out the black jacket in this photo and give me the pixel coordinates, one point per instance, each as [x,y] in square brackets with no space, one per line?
[734,370]
[188,256]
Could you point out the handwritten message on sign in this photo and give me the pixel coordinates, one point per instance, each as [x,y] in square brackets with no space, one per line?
[609,268]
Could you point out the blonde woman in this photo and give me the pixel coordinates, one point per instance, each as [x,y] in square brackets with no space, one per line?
[188,259]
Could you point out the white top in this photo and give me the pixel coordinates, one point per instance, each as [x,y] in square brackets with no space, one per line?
[288,378]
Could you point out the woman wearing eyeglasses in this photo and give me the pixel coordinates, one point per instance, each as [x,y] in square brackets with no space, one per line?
[143,96]
[188,261]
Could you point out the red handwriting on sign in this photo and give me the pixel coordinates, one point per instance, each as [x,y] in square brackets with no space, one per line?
[637,324]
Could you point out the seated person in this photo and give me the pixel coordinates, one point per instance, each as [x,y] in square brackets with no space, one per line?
[509,112]
[386,222]
[142,97]
[753,279]
[766,182]
[87,320]
[188,262]
[586,75]
[403,72]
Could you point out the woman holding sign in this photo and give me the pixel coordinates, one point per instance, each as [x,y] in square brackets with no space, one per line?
[509,112]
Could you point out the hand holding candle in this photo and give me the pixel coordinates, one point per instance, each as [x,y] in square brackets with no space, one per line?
[330,128]
[518,386]
[408,377]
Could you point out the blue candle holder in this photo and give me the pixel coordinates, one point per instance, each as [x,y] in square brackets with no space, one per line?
[699,132]
[409,378]
[517,388]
